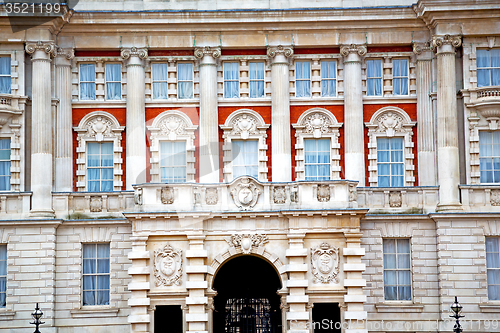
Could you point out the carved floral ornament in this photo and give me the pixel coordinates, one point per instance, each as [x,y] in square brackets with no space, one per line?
[243,124]
[247,242]
[317,123]
[325,263]
[172,125]
[168,266]
[99,125]
[390,121]
[245,192]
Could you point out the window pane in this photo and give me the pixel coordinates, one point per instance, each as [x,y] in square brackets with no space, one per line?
[390,261]
[5,76]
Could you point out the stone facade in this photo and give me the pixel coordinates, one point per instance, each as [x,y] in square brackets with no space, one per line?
[158,105]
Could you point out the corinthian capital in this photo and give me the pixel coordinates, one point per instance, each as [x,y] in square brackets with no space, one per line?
[353,48]
[134,52]
[200,52]
[47,47]
[438,41]
[273,51]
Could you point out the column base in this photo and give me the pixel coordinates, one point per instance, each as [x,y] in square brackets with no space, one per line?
[42,213]
[449,207]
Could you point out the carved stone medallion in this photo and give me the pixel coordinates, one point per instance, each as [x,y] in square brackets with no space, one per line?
[247,241]
[211,196]
[316,124]
[167,195]
[325,263]
[323,193]
[245,193]
[395,199]
[95,204]
[495,197]
[168,266]
[279,194]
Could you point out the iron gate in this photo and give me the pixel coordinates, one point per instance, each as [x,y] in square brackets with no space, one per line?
[249,315]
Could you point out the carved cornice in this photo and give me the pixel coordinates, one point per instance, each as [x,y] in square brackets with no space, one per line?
[69,54]
[134,52]
[47,47]
[273,51]
[353,48]
[200,52]
[438,41]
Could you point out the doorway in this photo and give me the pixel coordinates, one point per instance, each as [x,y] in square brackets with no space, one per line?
[168,319]
[326,318]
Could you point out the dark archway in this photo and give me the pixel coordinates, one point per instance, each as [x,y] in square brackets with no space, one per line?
[246,300]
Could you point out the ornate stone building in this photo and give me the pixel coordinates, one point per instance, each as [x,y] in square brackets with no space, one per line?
[224,166]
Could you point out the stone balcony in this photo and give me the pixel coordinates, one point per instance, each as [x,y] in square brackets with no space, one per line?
[398,200]
[486,102]
[246,194]
[480,198]
[95,205]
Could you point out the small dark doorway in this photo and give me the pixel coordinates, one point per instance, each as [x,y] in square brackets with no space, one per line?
[246,300]
[168,319]
[326,318]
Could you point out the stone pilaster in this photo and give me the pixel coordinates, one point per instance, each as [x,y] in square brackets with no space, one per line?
[280,118]
[41,128]
[447,122]
[209,122]
[64,139]
[353,113]
[139,301]
[425,134]
[136,119]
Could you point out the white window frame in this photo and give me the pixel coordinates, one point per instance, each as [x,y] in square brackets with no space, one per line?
[100,167]
[390,122]
[233,158]
[480,157]
[153,81]
[96,274]
[9,75]
[303,80]
[317,123]
[179,81]
[488,268]
[10,161]
[397,269]
[4,263]
[318,164]
[172,126]
[80,81]
[400,77]
[390,163]
[485,68]
[99,126]
[173,166]
[263,80]
[375,77]
[334,79]
[106,81]
[230,80]
[245,124]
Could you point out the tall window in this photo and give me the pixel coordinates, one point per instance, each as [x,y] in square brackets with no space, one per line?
[87,81]
[113,81]
[400,76]
[489,156]
[100,166]
[4,164]
[159,79]
[374,77]
[185,80]
[256,79]
[328,78]
[302,79]
[493,267]
[95,274]
[317,159]
[173,161]
[488,67]
[397,273]
[245,158]
[390,162]
[231,80]
[5,75]
[3,275]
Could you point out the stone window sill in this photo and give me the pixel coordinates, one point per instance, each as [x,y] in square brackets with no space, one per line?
[490,307]
[7,315]
[94,311]
[402,307]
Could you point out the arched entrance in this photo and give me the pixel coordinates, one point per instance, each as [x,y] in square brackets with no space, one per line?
[246,300]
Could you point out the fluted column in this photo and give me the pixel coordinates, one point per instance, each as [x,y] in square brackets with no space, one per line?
[280,118]
[425,133]
[64,140]
[136,119]
[41,128]
[209,120]
[447,122]
[353,113]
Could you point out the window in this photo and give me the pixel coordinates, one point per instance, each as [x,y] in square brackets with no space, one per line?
[231,80]
[245,158]
[95,274]
[185,80]
[390,162]
[317,159]
[3,275]
[397,273]
[302,79]
[5,75]
[256,79]
[400,77]
[493,267]
[173,161]
[374,77]
[489,156]
[87,81]
[100,166]
[4,164]
[113,81]
[328,78]
[488,67]
[159,78]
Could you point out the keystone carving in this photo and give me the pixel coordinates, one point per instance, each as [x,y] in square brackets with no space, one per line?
[325,263]
[168,266]
[247,241]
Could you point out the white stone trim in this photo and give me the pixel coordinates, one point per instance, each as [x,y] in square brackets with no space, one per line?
[325,126]
[234,129]
[387,122]
[172,126]
[99,126]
